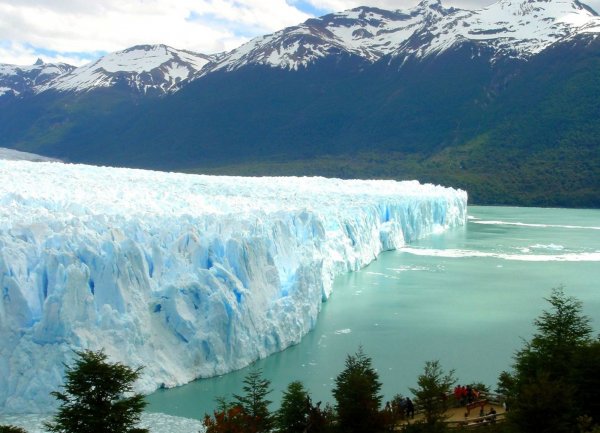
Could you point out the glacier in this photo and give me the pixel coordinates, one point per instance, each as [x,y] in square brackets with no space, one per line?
[186,275]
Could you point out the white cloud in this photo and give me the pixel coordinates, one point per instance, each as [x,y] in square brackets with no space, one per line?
[80,26]
[339,5]
[19,54]
[73,30]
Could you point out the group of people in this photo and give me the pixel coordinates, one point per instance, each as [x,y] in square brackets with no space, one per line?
[402,406]
[465,394]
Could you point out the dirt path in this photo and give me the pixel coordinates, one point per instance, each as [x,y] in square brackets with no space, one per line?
[457,415]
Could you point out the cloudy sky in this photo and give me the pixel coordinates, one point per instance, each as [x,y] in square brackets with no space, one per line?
[78,31]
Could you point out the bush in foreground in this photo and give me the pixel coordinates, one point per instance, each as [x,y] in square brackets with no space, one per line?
[432,393]
[357,396]
[97,398]
[11,429]
[556,378]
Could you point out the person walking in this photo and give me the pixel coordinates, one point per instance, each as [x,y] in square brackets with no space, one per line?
[410,408]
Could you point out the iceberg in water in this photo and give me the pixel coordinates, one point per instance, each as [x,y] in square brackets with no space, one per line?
[190,276]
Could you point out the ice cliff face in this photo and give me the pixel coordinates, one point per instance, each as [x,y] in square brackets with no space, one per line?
[16,155]
[189,276]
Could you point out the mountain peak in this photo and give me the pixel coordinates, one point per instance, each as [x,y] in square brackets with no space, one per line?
[429,4]
[513,28]
[583,6]
[554,6]
[153,69]
[434,6]
[518,28]
[22,80]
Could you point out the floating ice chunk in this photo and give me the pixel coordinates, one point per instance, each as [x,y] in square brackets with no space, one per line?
[552,247]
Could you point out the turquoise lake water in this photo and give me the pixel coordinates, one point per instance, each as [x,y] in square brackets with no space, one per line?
[466,297]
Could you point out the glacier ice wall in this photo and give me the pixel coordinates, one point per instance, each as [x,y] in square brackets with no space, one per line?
[190,276]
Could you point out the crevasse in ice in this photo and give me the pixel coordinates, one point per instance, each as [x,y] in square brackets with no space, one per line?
[190,276]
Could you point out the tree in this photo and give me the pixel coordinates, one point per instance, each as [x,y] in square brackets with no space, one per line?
[293,415]
[228,418]
[254,402]
[321,420]
[560,333]
[97,397]
[506,387]
[586,378]
[356,392]
[552,370]
[11,429]
[434,386]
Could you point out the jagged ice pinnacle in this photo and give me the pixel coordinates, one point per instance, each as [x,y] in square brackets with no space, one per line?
[189,276]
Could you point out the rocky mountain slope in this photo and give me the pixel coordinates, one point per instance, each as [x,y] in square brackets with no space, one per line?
[517,29]
[512,28]
[22,80]
[145,69]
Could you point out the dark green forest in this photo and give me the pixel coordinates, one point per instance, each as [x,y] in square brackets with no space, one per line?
[518,132]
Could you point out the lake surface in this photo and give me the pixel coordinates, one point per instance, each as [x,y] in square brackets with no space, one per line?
[466,297]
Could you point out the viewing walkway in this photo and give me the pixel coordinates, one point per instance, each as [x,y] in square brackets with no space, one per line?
[460,417]
[466,416]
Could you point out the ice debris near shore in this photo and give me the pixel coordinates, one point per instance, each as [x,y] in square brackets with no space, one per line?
[154,422]
[190,276]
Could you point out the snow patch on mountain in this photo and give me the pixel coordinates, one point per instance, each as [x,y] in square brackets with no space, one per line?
[514,28]
[190,276]
[144,68]
[17,80]
[366,32]
[510,28]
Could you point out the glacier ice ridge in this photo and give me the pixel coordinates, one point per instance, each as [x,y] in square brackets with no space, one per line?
[187,275]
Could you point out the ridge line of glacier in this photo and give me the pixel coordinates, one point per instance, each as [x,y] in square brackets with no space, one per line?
[187,275]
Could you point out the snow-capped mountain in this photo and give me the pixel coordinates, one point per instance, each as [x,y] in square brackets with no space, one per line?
[510,27]
[16,80]
[145,68]
[430,92]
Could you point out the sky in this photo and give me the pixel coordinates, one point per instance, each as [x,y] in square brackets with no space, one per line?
[80,31]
